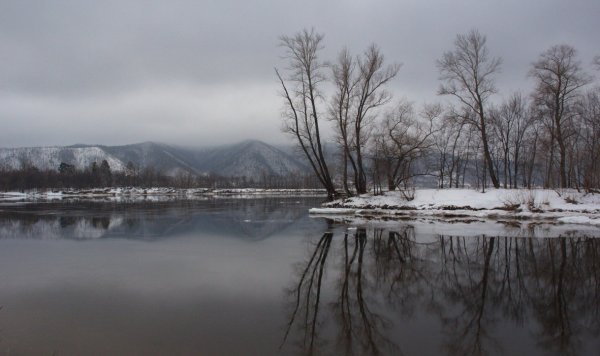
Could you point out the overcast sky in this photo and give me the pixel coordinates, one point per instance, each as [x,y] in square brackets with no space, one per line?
[201,72]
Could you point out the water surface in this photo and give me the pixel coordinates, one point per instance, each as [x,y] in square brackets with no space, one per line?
[260,277]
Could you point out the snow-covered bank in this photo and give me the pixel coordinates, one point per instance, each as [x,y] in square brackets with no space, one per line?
[154,192]
[559,206]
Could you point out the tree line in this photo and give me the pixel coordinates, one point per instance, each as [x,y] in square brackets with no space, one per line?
[100,175]
[549,137]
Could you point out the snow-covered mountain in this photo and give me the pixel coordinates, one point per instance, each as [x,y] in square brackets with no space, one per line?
[251,158]
[51,157]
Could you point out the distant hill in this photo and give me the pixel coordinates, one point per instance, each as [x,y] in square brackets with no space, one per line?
[166,158]
[251,159]
[50,157]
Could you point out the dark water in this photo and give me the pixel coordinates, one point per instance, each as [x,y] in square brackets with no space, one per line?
[260,277]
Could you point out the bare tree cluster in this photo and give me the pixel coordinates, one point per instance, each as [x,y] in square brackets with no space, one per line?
[549,137]
[512,125]
[559,78]
[360,89]
[403,140]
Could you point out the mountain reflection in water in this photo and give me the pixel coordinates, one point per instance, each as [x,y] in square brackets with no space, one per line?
[481,291]
[253,219]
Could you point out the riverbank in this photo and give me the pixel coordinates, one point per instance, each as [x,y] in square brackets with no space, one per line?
[565,206]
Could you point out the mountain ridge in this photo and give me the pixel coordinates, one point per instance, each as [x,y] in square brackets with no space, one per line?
[249,158]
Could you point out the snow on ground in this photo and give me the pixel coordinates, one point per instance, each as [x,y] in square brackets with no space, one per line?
[555,206]
[561,206]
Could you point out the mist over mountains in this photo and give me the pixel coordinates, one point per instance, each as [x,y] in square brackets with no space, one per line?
[250,158]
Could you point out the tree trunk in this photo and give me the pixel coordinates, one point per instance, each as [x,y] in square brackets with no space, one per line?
[345,172]
[486,150]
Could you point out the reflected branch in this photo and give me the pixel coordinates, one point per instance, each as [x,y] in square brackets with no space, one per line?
[550,287]
[306,288]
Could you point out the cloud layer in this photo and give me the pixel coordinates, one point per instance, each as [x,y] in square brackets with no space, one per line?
[199,73]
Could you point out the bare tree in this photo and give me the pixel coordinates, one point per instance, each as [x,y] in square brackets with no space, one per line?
[402,140]
[588,109]
[530,152]
[523,125]
[558,77]
[467,74]
[373,77]
[446,140]
[510,123]
[458,149]
[303,99]
[342,105]
[360,90]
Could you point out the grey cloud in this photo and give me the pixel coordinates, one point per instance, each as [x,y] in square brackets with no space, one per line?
[71,65]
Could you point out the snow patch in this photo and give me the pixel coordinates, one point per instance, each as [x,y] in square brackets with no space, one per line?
[567,204]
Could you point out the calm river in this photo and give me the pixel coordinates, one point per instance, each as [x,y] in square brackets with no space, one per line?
[261,277]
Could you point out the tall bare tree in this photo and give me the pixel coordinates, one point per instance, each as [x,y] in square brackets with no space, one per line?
[373,76]
[341,109]
[558,77]
[360,90]
[467,73]
[303,99]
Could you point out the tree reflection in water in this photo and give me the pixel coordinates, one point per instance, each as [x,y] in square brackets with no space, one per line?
[467,284]
[307,294]
[357,307]
[352,293]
